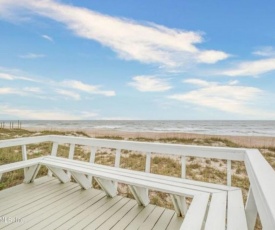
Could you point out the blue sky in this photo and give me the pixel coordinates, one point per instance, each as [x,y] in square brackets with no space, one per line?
[137,59]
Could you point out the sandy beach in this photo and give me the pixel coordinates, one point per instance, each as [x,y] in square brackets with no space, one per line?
[244,141]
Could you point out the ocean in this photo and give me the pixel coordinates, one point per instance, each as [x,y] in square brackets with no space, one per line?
[216,127]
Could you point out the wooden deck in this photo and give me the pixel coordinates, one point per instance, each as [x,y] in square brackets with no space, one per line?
[48,204]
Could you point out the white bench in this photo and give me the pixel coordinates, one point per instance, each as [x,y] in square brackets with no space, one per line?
[31,168]
[213,206]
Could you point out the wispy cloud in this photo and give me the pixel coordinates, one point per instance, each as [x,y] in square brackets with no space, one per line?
[8,90]
[69,94]
[25,113]
[26,91]
[47,37]
[224,97]
[32,89]
[31,56]
[150,84]
[161,45]
[251,68]
[12,77]
[267,51]
[91,89]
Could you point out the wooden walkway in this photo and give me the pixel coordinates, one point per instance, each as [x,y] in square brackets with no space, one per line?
[48,204]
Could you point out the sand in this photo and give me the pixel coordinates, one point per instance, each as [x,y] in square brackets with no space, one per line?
[244,141]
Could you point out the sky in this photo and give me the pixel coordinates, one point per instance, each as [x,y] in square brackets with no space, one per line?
[136,60]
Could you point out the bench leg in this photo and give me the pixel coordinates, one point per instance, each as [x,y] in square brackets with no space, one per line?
[140,194]
[60,174]
[30,173]
[179,204]
[82,180]
[108,186]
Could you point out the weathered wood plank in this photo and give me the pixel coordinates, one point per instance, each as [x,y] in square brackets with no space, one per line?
[150,222]
[175,222]
[4,194]
[124,221]
[164,220]
[84,214]
[35,213]
[80,198]
[108,214]
[88,219]
[76,211]
[141,217]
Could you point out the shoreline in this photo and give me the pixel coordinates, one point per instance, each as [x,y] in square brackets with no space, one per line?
[245,141]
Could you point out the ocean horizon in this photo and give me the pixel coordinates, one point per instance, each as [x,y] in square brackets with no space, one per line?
[214,127]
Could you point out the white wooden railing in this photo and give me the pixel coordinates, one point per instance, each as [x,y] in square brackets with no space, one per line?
[261,196]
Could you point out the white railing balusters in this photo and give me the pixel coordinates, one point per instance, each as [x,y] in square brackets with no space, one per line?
[24,156]
[148,162]
[71,156]
[92,160]
[54,149]
[228,172]
[71,151]
[183,166]
[117,158]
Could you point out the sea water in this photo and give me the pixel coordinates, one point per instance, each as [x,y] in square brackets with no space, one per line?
[217,127]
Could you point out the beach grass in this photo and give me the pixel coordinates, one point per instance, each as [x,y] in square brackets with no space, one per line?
[202,169]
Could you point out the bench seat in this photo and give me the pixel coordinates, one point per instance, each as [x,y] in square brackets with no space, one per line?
[212,207]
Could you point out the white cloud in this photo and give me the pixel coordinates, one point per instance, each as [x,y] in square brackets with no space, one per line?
[228,98]
[150,84]
[199,82]
[32,89]
[32,56]
[211,56]
[47,37]
[91,89]
[26,91]
[11,77]
[23,113]
[251,68]
[7,90]
[267,51]
[131,40]
[70,94]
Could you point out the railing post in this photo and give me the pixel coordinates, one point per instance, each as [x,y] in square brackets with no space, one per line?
[251,210]
[53,153]
[228,172]
[24,157]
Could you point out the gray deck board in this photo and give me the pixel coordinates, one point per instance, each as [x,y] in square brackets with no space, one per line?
[48,204]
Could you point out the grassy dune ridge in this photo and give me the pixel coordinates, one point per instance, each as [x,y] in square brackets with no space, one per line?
[202,169]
